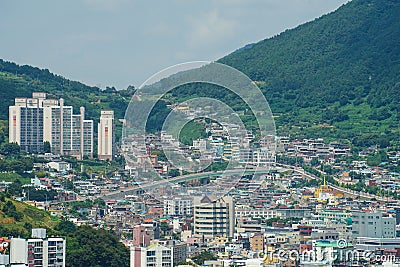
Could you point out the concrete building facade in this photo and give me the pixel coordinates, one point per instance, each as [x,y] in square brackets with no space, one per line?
[33,121]
[373,224]
[38,251]
[214,217]
[153,256]
[178,206]
[106,135]
[26,123]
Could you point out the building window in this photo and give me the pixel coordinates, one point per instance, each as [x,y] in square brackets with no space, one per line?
[151,253]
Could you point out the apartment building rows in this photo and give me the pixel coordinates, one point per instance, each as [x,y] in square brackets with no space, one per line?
[37,120]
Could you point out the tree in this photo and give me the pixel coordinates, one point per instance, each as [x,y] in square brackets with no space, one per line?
[164,227]
[173,173]
[40,194]
[47,147]
[10,149]
[315,162]
[65,227]
[10,209]
[100,202]
[28,226]
[90,247]
[373,160]
[15,189]
[199,259]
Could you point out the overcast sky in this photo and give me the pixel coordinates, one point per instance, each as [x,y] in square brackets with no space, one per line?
[123,42]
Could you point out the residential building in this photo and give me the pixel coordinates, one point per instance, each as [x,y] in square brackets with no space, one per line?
[248,226]
[140,236]
[372,243]
[4,260]
[152,256]
[373,224]
[106,135]
[33,121]
[59,166]
[178,206]
[26,123]
[214,217]
[18,252]
[251,212]
[38,251]
[294,213]
[180,252]
[257,242]
[67,133]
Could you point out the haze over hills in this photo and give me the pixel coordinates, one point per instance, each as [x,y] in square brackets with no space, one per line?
[336,77]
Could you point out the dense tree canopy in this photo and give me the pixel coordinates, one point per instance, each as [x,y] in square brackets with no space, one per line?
[97,248]
[336,76]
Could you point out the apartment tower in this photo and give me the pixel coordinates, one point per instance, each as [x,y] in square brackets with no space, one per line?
[33,121]
[106,135]
[26,123]
[214,217]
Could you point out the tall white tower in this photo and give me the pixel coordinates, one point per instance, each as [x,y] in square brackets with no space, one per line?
[106,135]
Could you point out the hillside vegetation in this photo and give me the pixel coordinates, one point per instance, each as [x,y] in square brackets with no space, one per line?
[337,76]
[86,246]
[18,218]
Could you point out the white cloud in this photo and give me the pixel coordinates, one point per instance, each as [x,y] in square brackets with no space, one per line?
[210,29]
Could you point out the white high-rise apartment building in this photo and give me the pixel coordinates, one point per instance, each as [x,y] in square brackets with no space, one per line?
[26,123]
[214,217]
[38,251]
[33,121]
[106,135]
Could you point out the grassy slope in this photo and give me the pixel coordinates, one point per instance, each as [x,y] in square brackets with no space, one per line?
[37,218]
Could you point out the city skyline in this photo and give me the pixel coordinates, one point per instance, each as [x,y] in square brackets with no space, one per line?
[287,154]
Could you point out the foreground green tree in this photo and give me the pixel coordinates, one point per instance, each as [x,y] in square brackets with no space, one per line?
[87,246]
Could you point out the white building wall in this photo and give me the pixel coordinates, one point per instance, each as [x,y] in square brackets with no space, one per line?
[373,224]
[14,124]
[106,135]
[47,124]
[18,251]
[213,217]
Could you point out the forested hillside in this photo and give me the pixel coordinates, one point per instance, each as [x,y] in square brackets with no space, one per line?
[337,76]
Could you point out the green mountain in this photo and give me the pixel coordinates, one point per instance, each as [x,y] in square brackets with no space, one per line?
[335,77]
